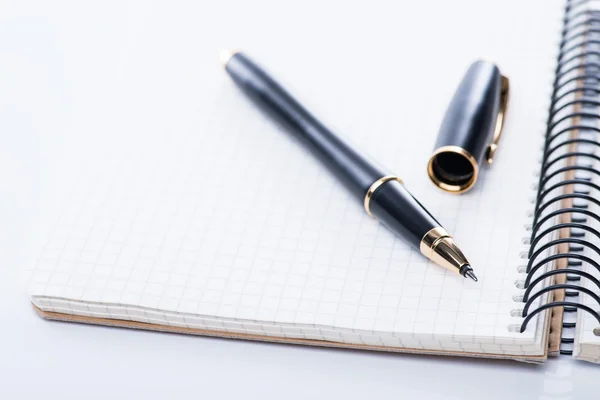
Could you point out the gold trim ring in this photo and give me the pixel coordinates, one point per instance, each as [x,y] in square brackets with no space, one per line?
[448,187]
[374,187]
[431,239]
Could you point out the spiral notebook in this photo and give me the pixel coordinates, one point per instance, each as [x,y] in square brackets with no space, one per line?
[201,217]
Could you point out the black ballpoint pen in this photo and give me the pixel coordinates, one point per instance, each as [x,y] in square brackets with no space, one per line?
[383,195]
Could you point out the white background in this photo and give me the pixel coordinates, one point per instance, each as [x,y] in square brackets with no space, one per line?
[44,48]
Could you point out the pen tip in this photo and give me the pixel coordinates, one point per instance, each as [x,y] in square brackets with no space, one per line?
[225,55]
[471,274]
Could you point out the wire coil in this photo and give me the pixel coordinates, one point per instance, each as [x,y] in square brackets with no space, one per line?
[565,189]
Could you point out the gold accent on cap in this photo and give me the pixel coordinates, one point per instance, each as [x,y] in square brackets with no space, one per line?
[373,188]
[225,55]
[448,187]
[438,246]
[491,151]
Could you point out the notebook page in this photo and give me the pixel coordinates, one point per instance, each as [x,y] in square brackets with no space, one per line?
[200,211]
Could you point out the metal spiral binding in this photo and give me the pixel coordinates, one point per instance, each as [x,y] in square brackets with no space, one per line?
[565,189]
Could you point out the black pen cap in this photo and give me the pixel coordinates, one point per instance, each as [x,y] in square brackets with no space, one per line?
[471,128]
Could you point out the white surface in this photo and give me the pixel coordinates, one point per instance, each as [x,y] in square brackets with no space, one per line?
[38,95]
[205,215]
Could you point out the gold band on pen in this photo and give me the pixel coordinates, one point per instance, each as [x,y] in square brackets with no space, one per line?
[431,239]
[374,187]
[439,247]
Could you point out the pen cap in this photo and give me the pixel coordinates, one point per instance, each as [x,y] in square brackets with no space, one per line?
[471,128]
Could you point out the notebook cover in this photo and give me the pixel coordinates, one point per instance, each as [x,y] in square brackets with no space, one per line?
[556,316]
[320,343]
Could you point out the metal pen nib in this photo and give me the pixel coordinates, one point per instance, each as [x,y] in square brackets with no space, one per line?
[471,275]
[439,247]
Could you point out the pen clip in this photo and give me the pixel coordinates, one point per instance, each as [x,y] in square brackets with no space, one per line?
[491,151]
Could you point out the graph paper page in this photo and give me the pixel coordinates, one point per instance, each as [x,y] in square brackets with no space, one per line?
[193,209]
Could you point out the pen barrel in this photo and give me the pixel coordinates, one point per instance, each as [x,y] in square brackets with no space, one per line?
[354,170]
[397,209]
[383,196]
